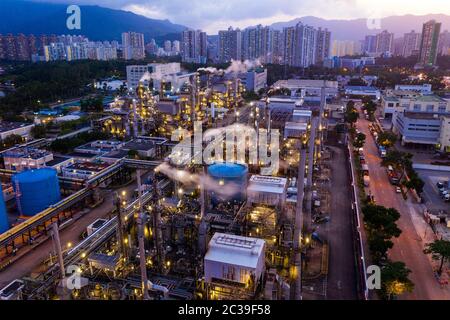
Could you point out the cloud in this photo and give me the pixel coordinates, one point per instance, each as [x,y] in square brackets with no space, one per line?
[213,15]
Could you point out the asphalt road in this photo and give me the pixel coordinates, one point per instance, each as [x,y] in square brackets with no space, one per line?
[342,273]
[408,247]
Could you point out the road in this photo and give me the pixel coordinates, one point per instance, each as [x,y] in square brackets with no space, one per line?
[342,271]
[32,261]
[408,247]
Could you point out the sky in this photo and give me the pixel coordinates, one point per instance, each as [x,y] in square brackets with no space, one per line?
[214,15]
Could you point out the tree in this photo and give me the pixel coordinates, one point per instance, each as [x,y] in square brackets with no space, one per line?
[359,141]
[439,250]
[351,114]
[134,154]
[400,160]
[39,131]
[12,140]
[395,280]
[387,139]
[94,104]
[415,183]
[381,227]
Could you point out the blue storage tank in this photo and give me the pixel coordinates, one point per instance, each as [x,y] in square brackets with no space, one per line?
[4,223]
[229,173]
[36,190]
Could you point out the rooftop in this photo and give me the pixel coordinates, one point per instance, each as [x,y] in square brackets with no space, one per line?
[26,152]
[236,250]
[139,144]
[88,166]
[361,88]
[267,184]
[8,126]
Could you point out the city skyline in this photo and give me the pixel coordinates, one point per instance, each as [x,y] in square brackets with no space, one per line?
[212,17]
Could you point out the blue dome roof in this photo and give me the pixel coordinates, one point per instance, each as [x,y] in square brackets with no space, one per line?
[35,175]
[227,170]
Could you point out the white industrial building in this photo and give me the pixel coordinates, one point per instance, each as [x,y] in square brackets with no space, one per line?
[233,260]
[302,115]
[295,129]
[16,128]
[266,190]
[23,158]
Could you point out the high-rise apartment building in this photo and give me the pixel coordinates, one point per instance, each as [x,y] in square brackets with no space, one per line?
[385,43]
[133,46]
[230,45]
[429,43]
[411,42]
[193,46]
[256,43]
[370,44]
[323,40]
[444,43]
[299,45]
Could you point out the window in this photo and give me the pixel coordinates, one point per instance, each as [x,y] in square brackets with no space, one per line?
[417,107]
[430,108]
[442,108]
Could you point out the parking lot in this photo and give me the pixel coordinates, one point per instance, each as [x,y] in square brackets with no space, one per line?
[433,199]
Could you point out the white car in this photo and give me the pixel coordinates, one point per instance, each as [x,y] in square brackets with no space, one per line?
[398,190]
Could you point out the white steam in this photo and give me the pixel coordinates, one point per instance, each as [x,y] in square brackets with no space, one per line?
[194,180]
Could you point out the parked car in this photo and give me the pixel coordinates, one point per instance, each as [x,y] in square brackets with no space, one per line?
[442,184]
[398,190]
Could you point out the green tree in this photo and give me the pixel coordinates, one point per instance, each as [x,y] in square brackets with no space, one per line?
[351,114]
[39,131]
[134,154]
[12,140]
[381,227]
[387,138]
[439,250]
[400,160]
[359,140]
[415,183]
[395,280]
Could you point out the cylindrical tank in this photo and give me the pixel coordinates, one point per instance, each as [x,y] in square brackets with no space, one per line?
[36,190]
[4,224]
[233,175]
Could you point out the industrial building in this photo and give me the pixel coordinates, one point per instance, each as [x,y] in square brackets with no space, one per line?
[15,128]
[232,264]
[22,158]
[264,190]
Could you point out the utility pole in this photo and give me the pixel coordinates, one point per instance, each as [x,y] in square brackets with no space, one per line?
[140,222]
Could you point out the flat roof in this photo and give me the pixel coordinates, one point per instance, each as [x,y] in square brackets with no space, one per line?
[27,152]
[6,126]
[267,184]
[139,144]
[56,160]
[116,154]
[88,166]
[421,115]
[235,250]
[296,126]
[361,88]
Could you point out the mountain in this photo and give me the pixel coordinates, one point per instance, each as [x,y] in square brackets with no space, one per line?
[357,29]
[97,23]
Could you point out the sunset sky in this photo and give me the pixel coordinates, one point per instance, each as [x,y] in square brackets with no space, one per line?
[212,15]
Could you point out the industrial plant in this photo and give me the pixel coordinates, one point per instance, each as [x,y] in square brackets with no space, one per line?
[169,213]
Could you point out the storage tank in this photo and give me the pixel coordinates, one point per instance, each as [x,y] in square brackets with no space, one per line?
[229,174]
[4,224]
[36,190]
